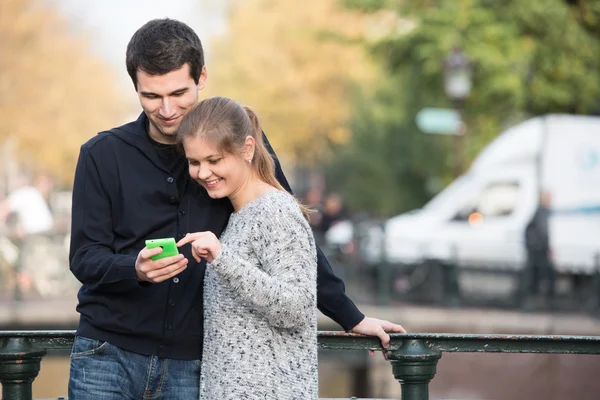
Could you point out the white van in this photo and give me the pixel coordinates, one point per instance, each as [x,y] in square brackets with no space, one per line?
[479,220]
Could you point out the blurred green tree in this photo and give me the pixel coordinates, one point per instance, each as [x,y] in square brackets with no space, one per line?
[530,58]
[54,94]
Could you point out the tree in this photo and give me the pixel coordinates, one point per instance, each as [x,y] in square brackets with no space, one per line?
[530,58]
[53,94]
[388,165]
[523,62]
[297,72]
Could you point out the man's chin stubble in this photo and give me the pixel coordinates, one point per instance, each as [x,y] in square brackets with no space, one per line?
[163,133]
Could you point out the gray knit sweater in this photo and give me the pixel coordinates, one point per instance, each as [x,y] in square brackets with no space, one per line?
[260,306]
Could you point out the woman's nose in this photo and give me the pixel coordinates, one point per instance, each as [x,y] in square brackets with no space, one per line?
[204,172]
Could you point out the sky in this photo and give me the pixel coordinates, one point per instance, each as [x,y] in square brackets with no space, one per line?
[109,24]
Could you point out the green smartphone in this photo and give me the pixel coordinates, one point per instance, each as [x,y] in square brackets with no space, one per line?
[168,245]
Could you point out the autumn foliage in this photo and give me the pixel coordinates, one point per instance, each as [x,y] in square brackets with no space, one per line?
[297,64]
[54,94]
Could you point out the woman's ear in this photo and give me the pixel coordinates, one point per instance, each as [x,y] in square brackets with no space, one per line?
[249,147]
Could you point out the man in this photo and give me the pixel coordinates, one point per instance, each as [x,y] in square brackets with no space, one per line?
[140,331]
[28,203]
[540,268]
[33,221]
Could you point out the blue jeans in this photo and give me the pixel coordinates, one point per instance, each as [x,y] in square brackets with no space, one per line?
[101,371]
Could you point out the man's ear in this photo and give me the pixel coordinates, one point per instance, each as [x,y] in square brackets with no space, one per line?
[203,78]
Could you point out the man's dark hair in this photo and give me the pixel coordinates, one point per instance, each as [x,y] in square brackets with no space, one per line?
[162,46]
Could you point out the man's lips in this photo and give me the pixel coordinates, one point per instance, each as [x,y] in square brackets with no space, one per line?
[170,121]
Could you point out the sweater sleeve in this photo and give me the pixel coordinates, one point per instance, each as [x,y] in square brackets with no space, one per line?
[283,286]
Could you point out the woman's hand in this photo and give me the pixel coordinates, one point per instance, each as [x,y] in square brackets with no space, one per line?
[204,245]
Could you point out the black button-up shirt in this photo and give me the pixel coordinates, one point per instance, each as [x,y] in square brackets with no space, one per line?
[124,194]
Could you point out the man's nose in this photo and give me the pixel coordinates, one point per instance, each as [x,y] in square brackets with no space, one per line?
[166,108]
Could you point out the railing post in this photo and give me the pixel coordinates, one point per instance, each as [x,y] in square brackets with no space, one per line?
[18,269]
[597,283]
[452,288]
[19,366]
[384,274]
[414,365]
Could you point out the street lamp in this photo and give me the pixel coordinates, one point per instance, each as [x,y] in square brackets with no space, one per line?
[458,71]
[457,76]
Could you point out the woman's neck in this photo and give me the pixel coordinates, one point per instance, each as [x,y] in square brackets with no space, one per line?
[252,190]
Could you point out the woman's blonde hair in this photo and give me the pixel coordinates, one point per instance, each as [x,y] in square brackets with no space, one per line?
[227,124]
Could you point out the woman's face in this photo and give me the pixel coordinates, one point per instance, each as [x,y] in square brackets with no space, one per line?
[222,175]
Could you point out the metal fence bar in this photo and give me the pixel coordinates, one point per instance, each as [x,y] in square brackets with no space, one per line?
[413,357]
[467,343]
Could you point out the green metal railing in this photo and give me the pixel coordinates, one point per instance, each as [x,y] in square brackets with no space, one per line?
[413,357]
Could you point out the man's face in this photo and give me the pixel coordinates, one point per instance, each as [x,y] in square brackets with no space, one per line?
[167,98]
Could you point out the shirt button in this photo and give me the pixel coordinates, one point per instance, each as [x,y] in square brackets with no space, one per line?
[170,179]
[175,280]
[182,212]
[172,200]
[168,327]
[161,347]
[181,235]
[171,302]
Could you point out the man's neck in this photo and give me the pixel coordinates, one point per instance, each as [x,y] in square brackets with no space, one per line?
[159,137]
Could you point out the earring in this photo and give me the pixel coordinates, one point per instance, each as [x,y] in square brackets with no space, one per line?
[249,161]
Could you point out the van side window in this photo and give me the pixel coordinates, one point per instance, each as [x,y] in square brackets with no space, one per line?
[497,199]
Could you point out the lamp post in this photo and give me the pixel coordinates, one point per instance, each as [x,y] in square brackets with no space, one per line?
[458,69]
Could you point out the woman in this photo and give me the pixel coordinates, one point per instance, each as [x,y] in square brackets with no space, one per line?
[260,284]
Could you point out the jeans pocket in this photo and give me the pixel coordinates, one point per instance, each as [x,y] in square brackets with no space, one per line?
[83,347]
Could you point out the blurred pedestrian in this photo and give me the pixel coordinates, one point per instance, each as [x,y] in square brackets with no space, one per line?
[30,217]
[540,272]
[333,212]
[28,203]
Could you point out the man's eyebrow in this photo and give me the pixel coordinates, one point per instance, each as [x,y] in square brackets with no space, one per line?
[148,93]
[178,91]
[182,90]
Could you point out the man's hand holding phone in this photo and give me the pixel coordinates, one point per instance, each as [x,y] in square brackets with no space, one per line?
[150,266]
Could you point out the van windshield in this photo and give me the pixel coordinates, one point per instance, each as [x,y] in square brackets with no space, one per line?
[445,197]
